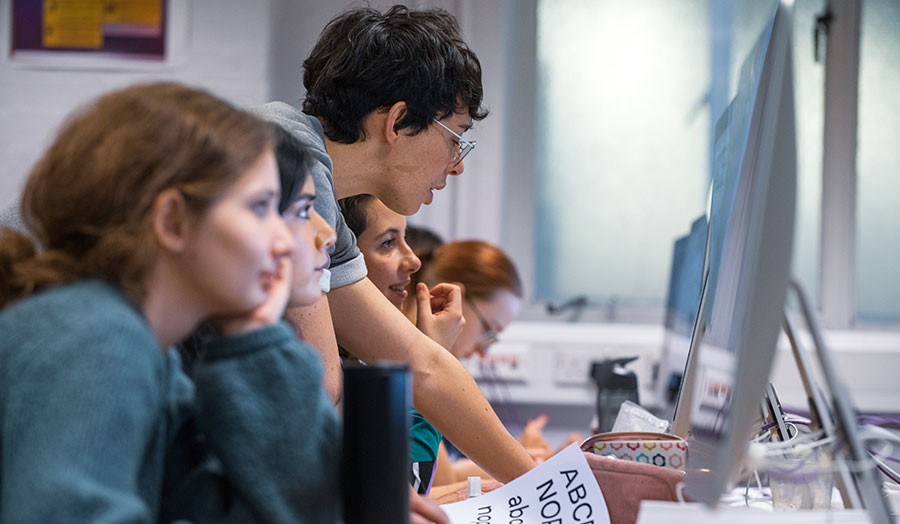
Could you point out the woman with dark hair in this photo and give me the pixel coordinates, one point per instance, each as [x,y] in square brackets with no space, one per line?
[304,223]
[491,299]
[381,236]
[143,228]
[390,262]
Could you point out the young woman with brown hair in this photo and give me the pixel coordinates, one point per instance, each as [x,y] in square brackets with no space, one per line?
[156,209]
[492,290]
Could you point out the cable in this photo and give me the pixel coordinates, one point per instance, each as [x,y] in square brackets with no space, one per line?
[880,421]
[888,472]
[679,492]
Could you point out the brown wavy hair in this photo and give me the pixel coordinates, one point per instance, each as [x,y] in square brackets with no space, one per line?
[88,201]
[481,267]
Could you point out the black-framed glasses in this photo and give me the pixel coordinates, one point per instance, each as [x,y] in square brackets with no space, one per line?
[463,146]
[488,334]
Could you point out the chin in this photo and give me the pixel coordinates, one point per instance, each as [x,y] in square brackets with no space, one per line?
[305,297]
[411,208]
[252,304]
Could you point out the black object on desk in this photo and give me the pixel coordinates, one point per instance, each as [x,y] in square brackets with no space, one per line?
[615,385]
[376,443]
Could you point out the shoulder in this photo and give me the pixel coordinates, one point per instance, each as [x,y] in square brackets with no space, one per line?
[305,128]
[308,130]
[82,320]
[77,303]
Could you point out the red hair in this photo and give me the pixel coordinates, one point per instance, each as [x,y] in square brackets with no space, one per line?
[482,268]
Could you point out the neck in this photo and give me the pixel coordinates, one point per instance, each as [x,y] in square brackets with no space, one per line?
[171,314]
[356,170]
[359,167]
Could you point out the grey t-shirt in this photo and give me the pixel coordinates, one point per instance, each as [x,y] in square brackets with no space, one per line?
[346,262]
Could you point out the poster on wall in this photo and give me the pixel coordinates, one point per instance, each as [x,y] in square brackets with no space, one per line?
[129,30]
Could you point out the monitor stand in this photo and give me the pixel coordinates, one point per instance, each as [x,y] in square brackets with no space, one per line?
[859,486]
[773,414]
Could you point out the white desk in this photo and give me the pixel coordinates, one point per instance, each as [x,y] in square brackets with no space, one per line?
[735,509]
[656,512]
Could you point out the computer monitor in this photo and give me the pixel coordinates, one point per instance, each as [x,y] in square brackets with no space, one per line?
[751,225]
[682,304]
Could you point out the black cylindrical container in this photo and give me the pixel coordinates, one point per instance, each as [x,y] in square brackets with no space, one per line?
[377,399]
[615,385]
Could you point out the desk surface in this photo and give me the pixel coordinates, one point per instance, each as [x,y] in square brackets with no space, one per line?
[657,512]
[755,505]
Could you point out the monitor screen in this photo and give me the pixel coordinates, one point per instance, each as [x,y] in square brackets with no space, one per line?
[751,224]
[682,303]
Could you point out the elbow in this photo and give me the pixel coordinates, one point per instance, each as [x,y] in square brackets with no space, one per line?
[334,385]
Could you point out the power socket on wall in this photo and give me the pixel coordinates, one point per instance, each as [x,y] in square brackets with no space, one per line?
[508,362]
[573,367]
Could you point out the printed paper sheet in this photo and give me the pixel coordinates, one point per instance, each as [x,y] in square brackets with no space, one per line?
[562,490]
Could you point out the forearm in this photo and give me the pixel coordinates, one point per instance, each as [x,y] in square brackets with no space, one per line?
[266,417]
[465,468]
[443,473]
[371,328]
[313,326]
[450,399]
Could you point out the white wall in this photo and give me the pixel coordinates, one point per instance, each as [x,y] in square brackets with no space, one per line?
[250,53]
[226,51]
[546,366]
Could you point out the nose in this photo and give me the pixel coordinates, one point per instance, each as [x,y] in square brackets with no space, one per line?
[411,262]
[325,235]
[456,169]
[282,240]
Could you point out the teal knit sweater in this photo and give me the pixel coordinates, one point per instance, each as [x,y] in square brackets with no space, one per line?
[97,424]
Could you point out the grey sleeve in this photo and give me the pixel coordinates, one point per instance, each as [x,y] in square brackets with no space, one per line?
[267,417]
[346,263]
[345,260]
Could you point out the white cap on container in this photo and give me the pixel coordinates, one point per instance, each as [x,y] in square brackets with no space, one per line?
[473,487]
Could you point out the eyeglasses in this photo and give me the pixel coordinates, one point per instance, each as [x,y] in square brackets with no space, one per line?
[463,146]
[488,335]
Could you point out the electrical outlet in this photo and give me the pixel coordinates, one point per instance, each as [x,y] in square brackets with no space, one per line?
[504,361]
[573,367]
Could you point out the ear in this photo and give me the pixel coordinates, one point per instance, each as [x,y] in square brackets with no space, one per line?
[171,221]
[393,118]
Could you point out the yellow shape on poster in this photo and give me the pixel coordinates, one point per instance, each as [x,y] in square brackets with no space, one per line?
[133,12]
[73,23]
